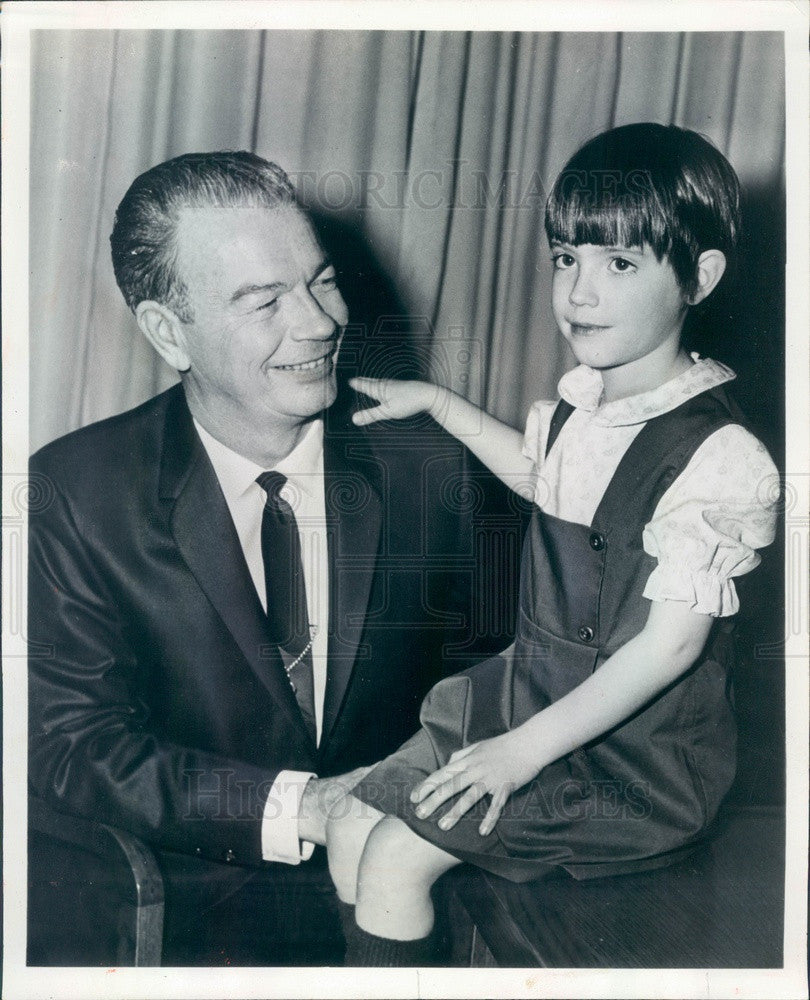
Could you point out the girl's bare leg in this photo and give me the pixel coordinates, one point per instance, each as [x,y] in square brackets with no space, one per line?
[347,830]
[396,873]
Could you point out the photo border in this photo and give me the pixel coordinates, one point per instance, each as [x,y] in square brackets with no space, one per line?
[18,20]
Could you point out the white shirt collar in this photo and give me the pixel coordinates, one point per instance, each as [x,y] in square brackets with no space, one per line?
[582,387]
[303,467]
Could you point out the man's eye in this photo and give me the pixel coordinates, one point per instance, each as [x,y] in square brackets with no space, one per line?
[271,304]
[327,282]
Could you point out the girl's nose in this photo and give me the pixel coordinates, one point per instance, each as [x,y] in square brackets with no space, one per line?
[583,290]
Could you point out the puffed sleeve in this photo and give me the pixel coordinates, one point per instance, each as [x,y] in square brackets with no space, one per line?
[708,525]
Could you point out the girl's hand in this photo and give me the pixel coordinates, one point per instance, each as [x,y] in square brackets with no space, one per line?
[496,767]
[397,399]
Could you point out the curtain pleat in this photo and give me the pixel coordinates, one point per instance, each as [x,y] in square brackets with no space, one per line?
[65,168]
[393,102]
[649,81]
[436,148]
[756,144]
[214,90]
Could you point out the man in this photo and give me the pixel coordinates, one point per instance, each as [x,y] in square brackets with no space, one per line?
[245,597]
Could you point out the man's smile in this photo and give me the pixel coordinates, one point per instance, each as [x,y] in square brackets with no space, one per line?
[306,366]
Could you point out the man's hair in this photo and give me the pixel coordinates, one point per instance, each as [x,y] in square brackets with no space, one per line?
[144,236]
[648,183]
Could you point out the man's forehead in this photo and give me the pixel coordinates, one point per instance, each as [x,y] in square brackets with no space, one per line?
[221,222]
[218,240]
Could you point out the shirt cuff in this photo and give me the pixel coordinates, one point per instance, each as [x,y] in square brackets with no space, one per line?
[280,840]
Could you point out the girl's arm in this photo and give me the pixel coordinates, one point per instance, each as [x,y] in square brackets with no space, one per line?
[666,647]
[496,444]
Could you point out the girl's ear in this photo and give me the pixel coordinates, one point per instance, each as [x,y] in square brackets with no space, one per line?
[164,331]
[711,266]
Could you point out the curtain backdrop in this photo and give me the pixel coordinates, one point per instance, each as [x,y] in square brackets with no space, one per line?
[426,157]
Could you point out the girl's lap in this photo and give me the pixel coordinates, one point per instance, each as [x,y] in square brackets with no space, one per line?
[528,842]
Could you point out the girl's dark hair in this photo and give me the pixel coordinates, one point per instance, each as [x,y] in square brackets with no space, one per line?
[648,183]
[143,240]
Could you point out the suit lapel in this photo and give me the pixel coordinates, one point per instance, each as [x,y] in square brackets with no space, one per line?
[206,538]
[353,516]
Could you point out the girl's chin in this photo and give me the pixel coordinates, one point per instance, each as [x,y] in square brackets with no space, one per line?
[593,359]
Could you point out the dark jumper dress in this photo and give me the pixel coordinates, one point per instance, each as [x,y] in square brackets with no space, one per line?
[638,796]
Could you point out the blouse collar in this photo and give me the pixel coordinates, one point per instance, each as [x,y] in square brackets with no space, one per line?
[582,387]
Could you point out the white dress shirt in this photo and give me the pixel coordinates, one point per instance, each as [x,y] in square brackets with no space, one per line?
[304,491]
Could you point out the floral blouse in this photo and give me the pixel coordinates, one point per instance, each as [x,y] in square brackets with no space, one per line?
[710,521]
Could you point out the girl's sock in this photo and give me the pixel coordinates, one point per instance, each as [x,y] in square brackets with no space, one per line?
[346,914]
[366,949]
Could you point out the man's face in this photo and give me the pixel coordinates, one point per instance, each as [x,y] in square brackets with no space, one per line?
[267,319]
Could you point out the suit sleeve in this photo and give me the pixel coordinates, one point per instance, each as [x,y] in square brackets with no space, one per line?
[92,749]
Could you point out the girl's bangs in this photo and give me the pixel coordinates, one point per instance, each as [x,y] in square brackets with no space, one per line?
[581,217]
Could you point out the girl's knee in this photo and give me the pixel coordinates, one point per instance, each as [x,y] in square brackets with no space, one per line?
[396,874]
[350,820]
[394,855]
[390,837]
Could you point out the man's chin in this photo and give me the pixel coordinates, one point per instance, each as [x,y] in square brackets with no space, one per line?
[313,398]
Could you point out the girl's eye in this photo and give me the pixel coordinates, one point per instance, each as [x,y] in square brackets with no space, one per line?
[562,260]
[326,282]
[621,264]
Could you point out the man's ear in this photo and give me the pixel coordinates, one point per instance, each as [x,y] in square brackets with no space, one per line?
[711,266]
[163,330]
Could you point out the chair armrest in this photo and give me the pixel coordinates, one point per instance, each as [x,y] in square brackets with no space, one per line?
[114,847]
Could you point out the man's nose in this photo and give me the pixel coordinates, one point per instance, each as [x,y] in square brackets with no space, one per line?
[583,290]
[311,321]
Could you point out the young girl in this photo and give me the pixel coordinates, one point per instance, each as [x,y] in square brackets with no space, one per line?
[603,740]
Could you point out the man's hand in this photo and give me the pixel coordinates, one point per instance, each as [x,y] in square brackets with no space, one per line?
[397,399]
[319,798]
[495,767]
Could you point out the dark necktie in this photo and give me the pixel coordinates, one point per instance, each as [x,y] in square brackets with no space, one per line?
[287,615]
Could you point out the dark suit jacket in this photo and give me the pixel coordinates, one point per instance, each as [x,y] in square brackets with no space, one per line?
[156,702]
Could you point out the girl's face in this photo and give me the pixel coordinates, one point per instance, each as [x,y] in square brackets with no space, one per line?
[618,307]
